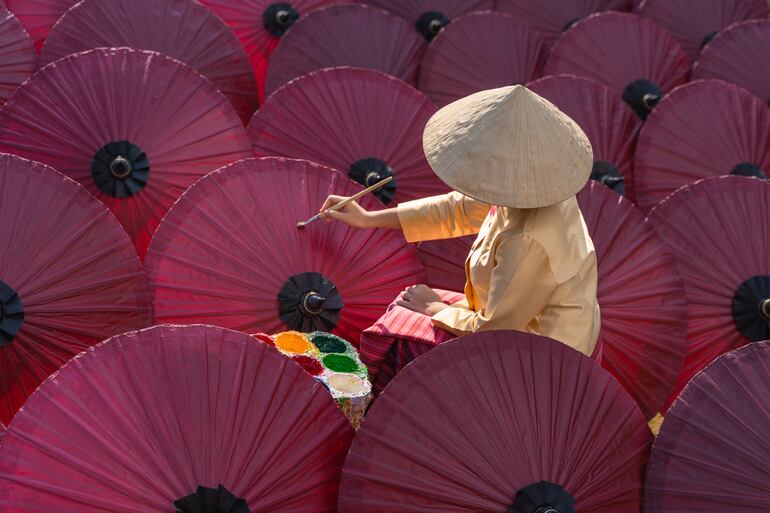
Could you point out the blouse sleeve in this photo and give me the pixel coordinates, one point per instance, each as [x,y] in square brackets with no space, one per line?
[521,284]
[441,217]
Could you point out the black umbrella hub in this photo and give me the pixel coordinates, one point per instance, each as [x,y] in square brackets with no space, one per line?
[11,314]
[709,38]
[120,169]
[309,302]
[751,308]
[748,169]
[430,23]
[608,175]
[642,96]
[369,171]
[211,500]
[279,17]
[543,497]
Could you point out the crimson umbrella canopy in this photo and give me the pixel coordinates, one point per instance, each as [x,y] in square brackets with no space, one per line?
[347,35]
[553,18]
[170,419]
[499,421]
[229,253]
[734,57]
[429,17]
[69,277]
[712,452]
[610,124]
[362,122]
[182,29]
[260,24]
[136,128]
[17,54]
[705,128]
[633,56]
[482,50]
[642,299]
[444,262]
[694,23]
[717,230]
[39,16]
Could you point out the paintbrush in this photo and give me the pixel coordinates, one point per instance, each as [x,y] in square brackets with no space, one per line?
[345,202]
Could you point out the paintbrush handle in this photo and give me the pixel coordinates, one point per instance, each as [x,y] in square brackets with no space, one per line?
[358,195]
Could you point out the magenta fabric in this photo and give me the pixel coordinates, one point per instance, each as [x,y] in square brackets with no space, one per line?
[444,262]
[75,106]
[398,337]
[474,53]
[642,299]
[143,419]
[411,10]
[74,270]
[703,129]
[717,232]
[733,56]
[472,422]
[712,452]
[347,35]
[610,124]
[245,18]
[17,54]
[616,49]
[181,29]
[340,116]
[226,249]
[694,22]
[554,18]
[39,16]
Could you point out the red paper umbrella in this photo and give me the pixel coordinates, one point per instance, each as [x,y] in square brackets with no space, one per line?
[553,18]
[176,418]
[633,56]
[347,35]
[430,16]
[229,253]
[499,421]
[181,29]
[644,311]
[712,452]
[69,277]
[610,125]
[476,52]
[444,262]
[359,121]
[735,54]
[717,230]
[259,24]
[39,16]
[706,128]
[134,127]
[17,54]
[694,23]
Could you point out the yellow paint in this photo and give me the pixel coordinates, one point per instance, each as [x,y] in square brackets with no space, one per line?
[293,342]
[347,384]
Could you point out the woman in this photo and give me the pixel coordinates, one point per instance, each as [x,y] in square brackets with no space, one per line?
[533,266]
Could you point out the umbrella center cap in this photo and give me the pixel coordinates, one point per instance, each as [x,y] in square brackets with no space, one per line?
[370,171]
[608,175]
[709,38]
[748,169]
[543,497]
[211,500]
[278,18]
[120,169]
[751,308]
[11,314]
[309,302]
[642,96]
[430,23]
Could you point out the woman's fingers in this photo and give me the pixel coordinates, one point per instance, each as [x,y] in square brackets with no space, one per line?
[331,201]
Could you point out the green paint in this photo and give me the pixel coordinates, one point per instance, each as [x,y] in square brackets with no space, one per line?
[327,343]
[340,363]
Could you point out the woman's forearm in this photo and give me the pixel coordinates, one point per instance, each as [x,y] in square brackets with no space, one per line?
[387,218]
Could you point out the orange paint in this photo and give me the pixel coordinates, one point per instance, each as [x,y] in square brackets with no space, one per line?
[293,342]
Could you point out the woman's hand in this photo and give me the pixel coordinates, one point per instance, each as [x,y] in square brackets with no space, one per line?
[357,216]
[422,299]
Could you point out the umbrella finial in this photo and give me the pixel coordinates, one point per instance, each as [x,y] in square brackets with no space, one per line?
[748,169]
[11,313]
[309,302]
[278,18]
[211,500]
[751,308]
[642,96]
[370,171]
[431,23]
[543,497]
[120,169]
[609,175]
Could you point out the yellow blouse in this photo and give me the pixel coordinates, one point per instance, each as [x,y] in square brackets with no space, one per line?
[531,270]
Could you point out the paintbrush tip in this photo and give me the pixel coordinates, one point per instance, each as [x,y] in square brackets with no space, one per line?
[300,225]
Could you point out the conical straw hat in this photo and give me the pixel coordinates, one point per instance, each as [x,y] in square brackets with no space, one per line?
[508,147]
